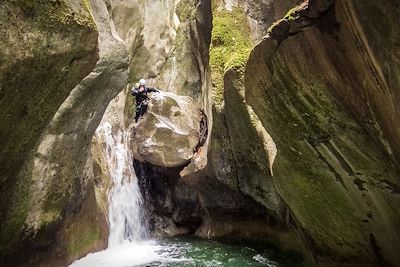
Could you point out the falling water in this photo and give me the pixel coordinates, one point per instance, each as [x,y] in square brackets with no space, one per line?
[127,241]
[125,201]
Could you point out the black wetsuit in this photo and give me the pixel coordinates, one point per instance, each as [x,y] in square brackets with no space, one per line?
[142,100]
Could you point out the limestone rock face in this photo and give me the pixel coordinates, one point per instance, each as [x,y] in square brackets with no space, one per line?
[241,151]
[211,182]
[43,56]
[206,207]
[168,45]
[168,133]
[303,118]
[328,95]
[73,66]
[167,42]
[45,51]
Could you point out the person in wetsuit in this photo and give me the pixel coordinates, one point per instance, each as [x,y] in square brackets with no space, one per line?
[142,100]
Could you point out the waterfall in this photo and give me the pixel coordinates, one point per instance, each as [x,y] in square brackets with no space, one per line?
[125,201]
[128,243]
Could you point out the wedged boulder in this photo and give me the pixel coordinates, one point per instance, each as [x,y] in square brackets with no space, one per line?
[168,134]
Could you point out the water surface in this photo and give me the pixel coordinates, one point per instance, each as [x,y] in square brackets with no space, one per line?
[226,252]
[191,251]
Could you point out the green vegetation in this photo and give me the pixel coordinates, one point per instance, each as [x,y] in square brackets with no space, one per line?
[60,52]
[49,217]
[274,25]
[303,118]
[230,48]
[12,227]
[291,15]
[56,11]
[185,10]
[83,240]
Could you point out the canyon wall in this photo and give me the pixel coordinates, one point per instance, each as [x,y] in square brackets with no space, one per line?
[60,66]
[325,84]
[301,108]
[304,121]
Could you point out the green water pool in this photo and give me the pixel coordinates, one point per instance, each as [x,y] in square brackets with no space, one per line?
[191,251]
[233,252]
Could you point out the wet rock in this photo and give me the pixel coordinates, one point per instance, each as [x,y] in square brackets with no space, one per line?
[327,105]
[41,60]
[169,131]
[73,68]
[201,206]
[197,163]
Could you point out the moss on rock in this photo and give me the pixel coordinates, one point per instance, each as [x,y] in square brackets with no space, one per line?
[311,94]
[50,13]
[48,47]
[235,133]
[230,48]
[83,241]
[185,9]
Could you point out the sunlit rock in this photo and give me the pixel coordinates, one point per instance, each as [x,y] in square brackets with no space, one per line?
[168,133]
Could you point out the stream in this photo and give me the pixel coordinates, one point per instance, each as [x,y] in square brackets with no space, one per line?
[129,243]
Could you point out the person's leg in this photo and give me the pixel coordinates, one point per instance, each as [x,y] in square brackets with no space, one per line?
[144,109]
[138,111]
[137,116]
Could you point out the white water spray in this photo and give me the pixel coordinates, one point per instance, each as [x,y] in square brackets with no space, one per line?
[125,200]
[127,245]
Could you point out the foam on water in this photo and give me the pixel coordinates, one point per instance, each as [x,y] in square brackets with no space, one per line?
[122,255]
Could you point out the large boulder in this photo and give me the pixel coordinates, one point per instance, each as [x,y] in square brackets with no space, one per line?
[168,134]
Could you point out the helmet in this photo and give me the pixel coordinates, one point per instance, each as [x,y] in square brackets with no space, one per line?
[142,81]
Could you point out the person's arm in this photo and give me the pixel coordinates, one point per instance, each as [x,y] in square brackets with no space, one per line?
[149,89]
[134,91]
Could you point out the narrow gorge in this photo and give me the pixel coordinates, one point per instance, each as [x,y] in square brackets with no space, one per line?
[273,138]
